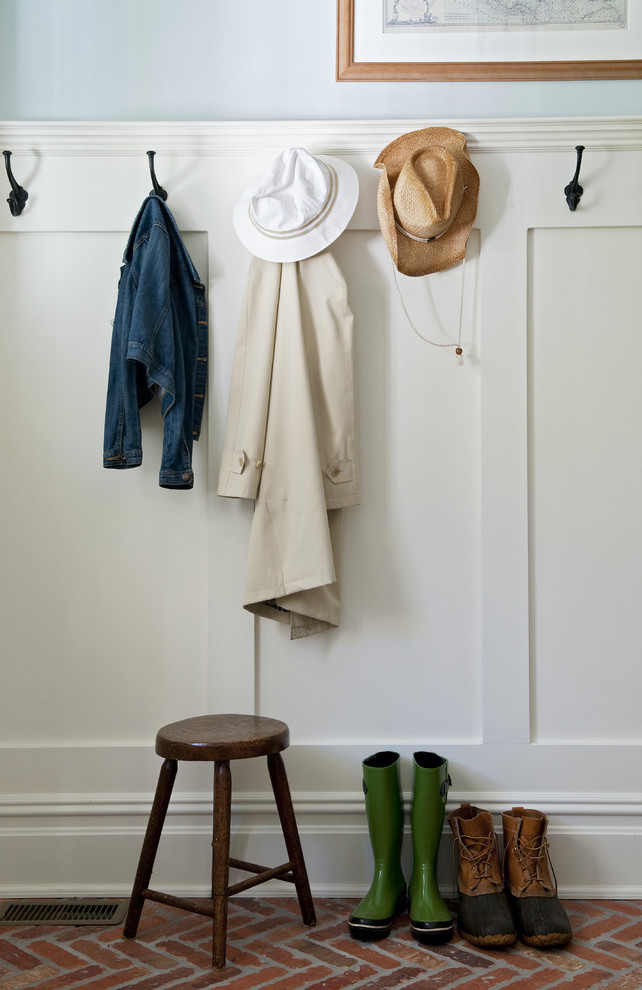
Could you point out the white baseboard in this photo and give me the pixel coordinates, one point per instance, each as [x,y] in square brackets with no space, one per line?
[88,845]
[622,892]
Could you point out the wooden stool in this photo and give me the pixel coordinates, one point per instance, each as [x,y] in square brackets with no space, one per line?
[219,739]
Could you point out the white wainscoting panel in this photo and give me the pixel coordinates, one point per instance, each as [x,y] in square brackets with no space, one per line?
[490,578]
[586,476]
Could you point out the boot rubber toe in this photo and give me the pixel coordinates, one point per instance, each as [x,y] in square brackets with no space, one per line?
[486,920]
[541,921]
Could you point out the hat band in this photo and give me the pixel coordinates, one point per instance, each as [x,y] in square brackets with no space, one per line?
[423,240]
[309,225]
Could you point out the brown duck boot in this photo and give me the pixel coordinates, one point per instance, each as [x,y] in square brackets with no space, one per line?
[484,916]
[532,889]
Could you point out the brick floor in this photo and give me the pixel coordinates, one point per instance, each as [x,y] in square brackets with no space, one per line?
[268,947]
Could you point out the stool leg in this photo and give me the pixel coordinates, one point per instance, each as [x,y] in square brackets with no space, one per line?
[220,859]
[283,800]
[164,787]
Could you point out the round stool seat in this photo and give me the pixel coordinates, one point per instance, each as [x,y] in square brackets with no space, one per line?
[222,737]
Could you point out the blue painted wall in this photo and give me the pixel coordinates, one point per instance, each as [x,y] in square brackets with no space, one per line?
[234,60]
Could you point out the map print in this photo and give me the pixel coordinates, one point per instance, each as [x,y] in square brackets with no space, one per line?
[412,15]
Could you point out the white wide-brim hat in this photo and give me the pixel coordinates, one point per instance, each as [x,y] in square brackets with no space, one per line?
[298,207]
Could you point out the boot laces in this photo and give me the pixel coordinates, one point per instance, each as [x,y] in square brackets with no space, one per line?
[480,851]
[533,857]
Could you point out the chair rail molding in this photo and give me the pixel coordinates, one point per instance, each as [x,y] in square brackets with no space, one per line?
[334,136]
[347,803]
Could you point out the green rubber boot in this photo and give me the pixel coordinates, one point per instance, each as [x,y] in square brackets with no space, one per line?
[372,918]
[430,920]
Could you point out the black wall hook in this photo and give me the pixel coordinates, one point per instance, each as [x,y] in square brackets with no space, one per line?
[573,190]
[158,189]
[18,196]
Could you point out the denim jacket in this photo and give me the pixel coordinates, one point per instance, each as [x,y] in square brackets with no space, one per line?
[159,343]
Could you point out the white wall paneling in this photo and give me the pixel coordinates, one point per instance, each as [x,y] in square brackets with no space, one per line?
[586,470]
[490,578]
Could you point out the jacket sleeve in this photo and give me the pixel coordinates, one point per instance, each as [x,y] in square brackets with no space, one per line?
[247,410]
[152,333]
[130,383]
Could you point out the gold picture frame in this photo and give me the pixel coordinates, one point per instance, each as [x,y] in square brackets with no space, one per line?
[349,69]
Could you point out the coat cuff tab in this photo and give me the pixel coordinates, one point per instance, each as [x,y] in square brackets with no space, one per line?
[239,461]
[339,470]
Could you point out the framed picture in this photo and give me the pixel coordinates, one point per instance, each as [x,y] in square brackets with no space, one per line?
[456,40]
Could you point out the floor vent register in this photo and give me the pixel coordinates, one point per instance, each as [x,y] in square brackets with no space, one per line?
[63,911]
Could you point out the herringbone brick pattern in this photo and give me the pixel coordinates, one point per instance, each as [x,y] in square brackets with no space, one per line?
[269,947]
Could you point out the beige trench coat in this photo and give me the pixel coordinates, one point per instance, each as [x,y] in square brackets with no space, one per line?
[290,438]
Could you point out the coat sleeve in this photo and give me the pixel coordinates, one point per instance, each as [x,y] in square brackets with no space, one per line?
[247,410]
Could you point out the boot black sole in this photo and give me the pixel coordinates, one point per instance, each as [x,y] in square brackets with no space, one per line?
[373,929]
[435,935]
[372,932]
[489,941]
[545,941]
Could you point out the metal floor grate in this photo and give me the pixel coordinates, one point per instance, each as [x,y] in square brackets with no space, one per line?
[62,912]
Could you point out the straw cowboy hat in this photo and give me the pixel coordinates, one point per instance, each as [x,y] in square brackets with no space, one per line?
[298,207]
[427,199]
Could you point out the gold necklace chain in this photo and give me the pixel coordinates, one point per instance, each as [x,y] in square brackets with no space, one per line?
[457,346]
